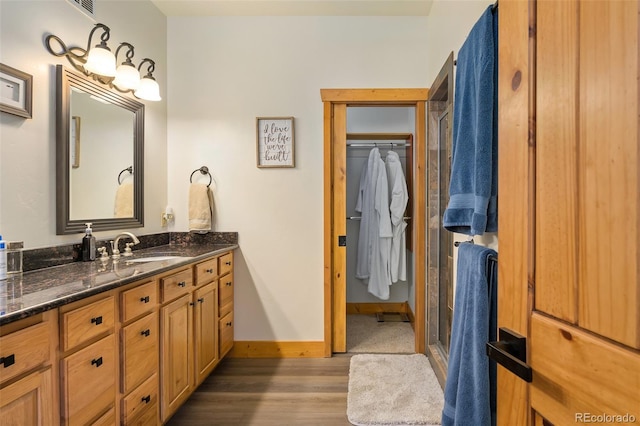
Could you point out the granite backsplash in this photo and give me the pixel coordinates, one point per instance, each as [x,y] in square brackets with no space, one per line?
[60,255]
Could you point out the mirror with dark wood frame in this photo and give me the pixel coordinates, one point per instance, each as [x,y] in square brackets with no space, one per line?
[99,156]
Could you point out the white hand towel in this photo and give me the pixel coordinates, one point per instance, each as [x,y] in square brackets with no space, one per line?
[123,206]
[200,208]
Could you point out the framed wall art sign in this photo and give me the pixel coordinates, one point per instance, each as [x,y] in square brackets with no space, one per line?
[15,91]
[275,142]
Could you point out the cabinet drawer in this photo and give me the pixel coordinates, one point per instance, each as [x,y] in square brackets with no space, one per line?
[226,333]
[206,271]
[140,342]
[142,403]
[226,263]
[138,300]
[107,419]
[23,350]
[88,381]
[176,285]
[225,294]
[82,324]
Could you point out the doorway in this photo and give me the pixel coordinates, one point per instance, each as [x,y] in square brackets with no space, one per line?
[336,102]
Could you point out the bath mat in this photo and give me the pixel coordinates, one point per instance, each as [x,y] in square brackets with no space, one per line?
[393,390]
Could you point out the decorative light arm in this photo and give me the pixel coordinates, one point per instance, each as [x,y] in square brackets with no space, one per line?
[129,53]
[77,56]
[150,69]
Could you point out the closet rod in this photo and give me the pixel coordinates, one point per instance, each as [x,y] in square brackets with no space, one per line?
[360,217]
[375,144]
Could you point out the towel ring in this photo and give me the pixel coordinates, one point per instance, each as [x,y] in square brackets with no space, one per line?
[205,171]
[128,169]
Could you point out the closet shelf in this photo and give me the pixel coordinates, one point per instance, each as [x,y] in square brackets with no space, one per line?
[379,136]
[375,144]
[360,217]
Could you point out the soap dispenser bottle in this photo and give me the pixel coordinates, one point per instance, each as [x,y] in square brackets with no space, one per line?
[88,244]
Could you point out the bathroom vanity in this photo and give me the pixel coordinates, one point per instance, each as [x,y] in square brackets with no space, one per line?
[121,341]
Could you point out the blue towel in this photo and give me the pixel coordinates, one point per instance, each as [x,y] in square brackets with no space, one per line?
[473,187]
[469,393]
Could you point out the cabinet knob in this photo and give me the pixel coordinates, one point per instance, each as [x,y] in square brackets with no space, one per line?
[201,300]
[227,263]
[191,304]
[210,271]
[182,284]
[144,299]
[145,333]
[8,360]
[97,362]
[96,320]
[229,283]
[146,399]
[229,324]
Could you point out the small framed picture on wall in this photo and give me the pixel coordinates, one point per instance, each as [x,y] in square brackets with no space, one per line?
[15,91]
[275,142]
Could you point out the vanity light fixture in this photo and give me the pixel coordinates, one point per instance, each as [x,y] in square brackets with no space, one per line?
[100,63]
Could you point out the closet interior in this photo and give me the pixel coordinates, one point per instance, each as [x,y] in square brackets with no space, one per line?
[390,131]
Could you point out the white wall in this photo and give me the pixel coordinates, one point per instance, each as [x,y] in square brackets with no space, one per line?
[27,146]
[226,71]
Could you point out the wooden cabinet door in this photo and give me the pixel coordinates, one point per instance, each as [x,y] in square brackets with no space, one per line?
[29,401]
[176,362]
[206,330]
[569,275]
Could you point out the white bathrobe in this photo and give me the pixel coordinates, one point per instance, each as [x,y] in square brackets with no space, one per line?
[398,204]
[374,243]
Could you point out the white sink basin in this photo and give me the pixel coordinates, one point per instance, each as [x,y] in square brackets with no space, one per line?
[153,258]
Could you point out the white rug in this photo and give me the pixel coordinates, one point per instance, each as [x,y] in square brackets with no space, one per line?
[393,390]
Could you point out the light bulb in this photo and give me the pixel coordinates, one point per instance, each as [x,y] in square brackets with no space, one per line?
[127,77]
[148,90]
[101,61]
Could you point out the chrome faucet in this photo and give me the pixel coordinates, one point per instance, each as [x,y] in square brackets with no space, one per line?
[114,244]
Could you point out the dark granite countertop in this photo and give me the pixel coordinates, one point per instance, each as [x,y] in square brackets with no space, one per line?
[40,290]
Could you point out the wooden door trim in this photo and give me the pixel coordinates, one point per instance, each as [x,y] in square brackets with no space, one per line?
[388,98]
[515,160]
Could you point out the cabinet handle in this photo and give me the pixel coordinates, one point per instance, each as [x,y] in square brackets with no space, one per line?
[96,362]
[145,333]
[201,300]
[8,361]
[229,324]
[146,399]
[144,299]
[182,284]
[209,271]
[227,263]
[229,283]
[96,320]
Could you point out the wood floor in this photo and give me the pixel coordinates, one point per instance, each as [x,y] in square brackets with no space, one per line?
[278,392]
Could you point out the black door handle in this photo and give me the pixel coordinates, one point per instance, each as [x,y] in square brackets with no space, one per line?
[511,353]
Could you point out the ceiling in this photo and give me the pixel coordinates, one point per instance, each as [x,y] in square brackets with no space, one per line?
[294,7]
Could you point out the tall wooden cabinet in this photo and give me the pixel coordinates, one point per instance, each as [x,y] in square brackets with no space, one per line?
[569,191]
